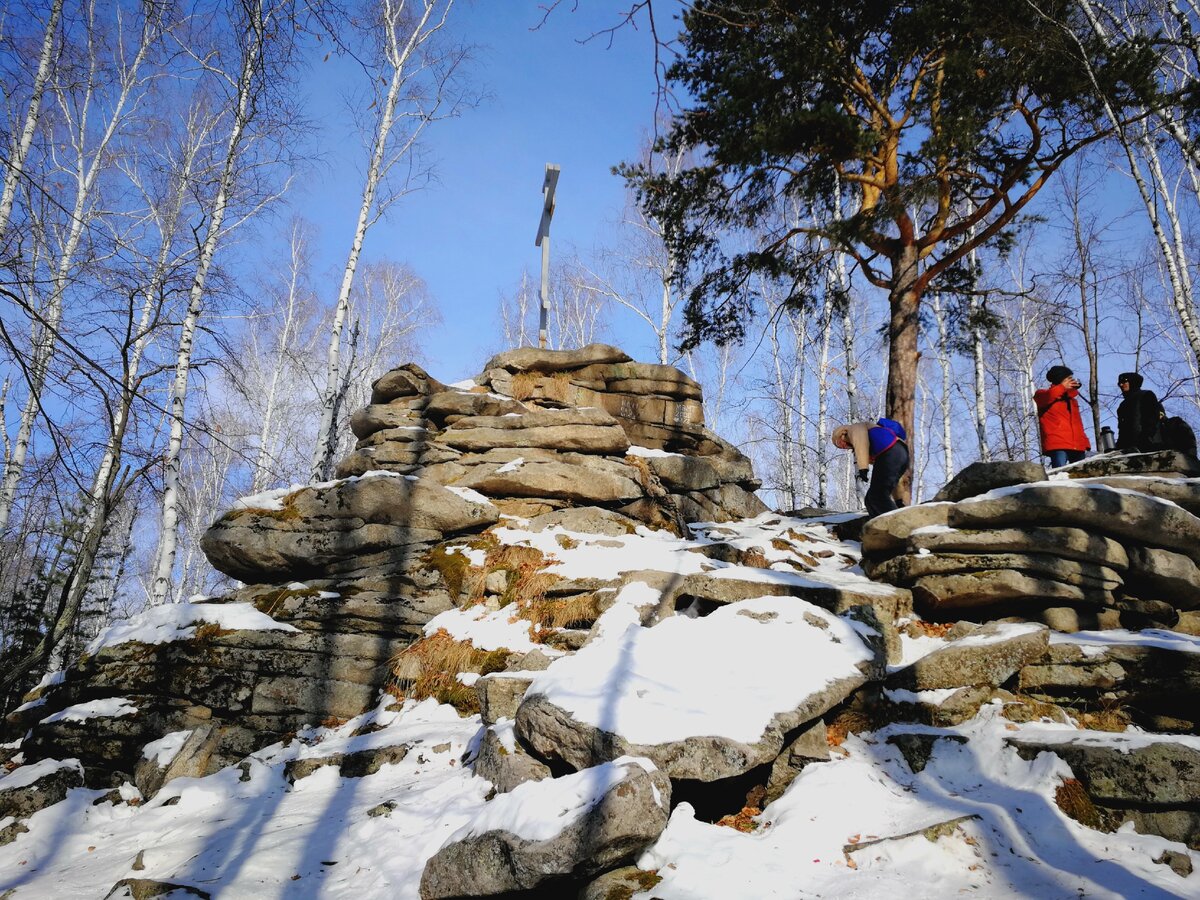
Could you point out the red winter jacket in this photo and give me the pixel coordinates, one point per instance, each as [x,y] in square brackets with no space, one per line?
[1059,420]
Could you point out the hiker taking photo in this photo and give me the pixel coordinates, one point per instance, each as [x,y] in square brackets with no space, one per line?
[882,448]
[1059,420]
[1139,417]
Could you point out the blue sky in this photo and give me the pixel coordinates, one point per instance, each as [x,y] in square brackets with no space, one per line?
[585,106]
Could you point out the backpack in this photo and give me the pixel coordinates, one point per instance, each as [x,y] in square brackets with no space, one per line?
[1177,434]
[895,428]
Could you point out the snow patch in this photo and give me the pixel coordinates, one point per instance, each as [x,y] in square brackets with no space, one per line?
[166,748]
[106,708]
[178,622]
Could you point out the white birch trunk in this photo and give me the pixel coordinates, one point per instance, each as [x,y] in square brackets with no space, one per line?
[20,149]
[258,479]
[86,172]
[787,457]
[399,53]
[164,560]
[947,385]
[823,399]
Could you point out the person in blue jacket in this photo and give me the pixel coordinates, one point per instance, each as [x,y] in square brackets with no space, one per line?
[882,448]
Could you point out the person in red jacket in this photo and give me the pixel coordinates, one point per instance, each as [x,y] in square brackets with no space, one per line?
[1059,421]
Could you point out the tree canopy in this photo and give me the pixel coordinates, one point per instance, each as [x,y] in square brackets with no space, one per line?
[942,119]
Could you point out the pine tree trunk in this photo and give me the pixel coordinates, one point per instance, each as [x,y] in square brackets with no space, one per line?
[903,354]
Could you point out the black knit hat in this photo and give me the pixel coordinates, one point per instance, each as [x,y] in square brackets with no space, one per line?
[1058,373]
[1135,380]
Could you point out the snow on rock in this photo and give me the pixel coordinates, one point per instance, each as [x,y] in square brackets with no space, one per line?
[468,494]
[587,821]
[108,708]
[704,698]
[486,629]
[24,776]
[178,622]
[166,748]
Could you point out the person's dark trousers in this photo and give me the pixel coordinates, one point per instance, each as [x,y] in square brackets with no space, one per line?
[886,472]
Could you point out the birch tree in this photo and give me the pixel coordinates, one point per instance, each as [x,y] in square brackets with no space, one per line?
[86,155]
[259,30]
[14,163]
[414,82]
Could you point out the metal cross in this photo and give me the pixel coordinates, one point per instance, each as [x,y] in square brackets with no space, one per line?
[543,241]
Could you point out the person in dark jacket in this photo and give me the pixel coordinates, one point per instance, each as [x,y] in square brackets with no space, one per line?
[1059,419]
[883,452]
[1139,417]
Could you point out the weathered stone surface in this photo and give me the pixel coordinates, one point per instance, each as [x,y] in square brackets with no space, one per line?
[553,732]
[1183,491]
[659,410]
[450,406]
[810,746]
[1168,461]
[193,760]
[960,706]
[409,380]
[379,416]
[402,459]
[1157,687]
[989,655]
[629,816]
[684,473]
[619,884]
[1163,575]
[885,535]
[556,481]
[1119,771]
[917,747]
[530,359]
[1068,543]
[410,438]
[586,433]
[981,477]
[588,520]
[499,695]
[1119,514]
[34,787]
[355,764]
[504,762]
[320,525]
[936,593]
[906,569]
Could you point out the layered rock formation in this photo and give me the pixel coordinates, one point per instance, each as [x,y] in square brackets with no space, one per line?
[625,676]
[541,430]
[340,577]
[1117,543]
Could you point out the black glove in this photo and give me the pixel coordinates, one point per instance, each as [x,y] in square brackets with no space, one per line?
[863,475]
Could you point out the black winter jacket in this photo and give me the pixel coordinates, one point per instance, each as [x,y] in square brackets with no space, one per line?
[1138,422]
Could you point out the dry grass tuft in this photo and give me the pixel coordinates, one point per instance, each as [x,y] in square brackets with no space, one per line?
[430,668]
[919,627]
[1114,719]
[1073,800]
[206,630]
[846,723]
[568,612]
[744,819]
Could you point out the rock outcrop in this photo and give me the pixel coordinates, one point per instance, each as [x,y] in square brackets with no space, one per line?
[541,430]
[1117,543]
[607,690]
[340,577]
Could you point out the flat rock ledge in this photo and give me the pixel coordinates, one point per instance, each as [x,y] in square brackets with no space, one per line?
[1121,545]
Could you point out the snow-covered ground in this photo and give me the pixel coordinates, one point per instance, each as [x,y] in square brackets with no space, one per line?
[852,827]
